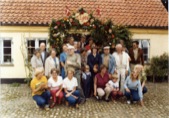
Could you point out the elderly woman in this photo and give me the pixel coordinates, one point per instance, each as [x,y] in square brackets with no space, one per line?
[71,93]
[142,76]
[51,62]
[133,90]
[39,89]
[55,84]
[36,60]
[100,81]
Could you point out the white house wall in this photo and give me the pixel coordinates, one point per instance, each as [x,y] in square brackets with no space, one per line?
[17,70]
[158,45]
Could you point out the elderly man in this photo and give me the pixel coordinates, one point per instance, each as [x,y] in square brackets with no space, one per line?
[108,60]
[73,62]
[122,64]
[44,54]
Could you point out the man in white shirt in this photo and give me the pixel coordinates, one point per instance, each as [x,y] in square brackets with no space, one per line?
[122,64]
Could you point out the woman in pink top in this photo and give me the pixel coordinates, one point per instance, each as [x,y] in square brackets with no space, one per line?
[55,84]
[100,81]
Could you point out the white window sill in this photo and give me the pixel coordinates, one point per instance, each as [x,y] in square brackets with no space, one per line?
[6,65]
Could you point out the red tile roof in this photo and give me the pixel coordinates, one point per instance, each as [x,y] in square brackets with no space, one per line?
[133,13]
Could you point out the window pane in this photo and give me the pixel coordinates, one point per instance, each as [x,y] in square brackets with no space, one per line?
[7,51]
[145,50]
[145,43]
[31,43]
[145,58]
[7,43]
[7,58]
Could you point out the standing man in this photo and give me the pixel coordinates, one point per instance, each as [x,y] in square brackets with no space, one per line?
[44,54]
[73,62]
[63,56]
[108,60]
[83,42]
[122,64]
[136,55]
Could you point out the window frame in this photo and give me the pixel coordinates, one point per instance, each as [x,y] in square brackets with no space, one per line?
[2,39]
[36,40]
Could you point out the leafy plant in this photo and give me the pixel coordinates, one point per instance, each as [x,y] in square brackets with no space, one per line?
[158,66]
[27,64]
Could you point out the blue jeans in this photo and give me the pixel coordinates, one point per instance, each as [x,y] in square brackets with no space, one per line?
[144,90]
[133,94]
[43,99]
[71,100]
[63,73]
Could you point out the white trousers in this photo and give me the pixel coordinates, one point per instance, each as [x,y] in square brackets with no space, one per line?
[121,78]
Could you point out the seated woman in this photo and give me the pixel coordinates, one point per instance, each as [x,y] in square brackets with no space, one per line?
[55,84]
[71,93]
[100,81]
[114,84]
[142,77]
[133,90]
[39,89]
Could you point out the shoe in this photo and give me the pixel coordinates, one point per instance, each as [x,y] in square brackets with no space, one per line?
[36,104]
[128,102]
[67,103]
[46,107]
[134,102]
[82,101]
[52,105]
[97,97]
[107,100]
[77,106]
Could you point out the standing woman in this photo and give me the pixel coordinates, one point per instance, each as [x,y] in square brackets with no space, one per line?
[100,80]
[133,90]
[51,62]
[55,84]
[39,89]
[36,61]
[70,85]
[94,61]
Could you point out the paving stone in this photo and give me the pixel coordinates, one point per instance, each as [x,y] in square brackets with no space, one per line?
[16,102]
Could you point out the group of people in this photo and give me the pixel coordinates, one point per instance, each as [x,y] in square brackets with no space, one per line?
[83,70]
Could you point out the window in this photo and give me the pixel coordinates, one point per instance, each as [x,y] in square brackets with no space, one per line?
[5,51]
[144,44]
[33,43]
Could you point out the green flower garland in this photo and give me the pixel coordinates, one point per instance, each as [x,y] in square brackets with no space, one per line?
[104,33]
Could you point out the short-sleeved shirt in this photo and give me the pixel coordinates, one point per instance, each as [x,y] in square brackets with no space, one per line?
[101,81]
[63,57]
[35,83]
[54,85]
[70,84]
[142,77]
[114,85]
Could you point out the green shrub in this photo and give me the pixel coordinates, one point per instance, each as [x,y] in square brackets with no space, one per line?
[158,66]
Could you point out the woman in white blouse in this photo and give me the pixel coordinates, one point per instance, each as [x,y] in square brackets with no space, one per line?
[55,84]
[70,84]
[51,62]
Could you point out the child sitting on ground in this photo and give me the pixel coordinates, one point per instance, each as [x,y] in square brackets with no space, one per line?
[114,84]
[86,79]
